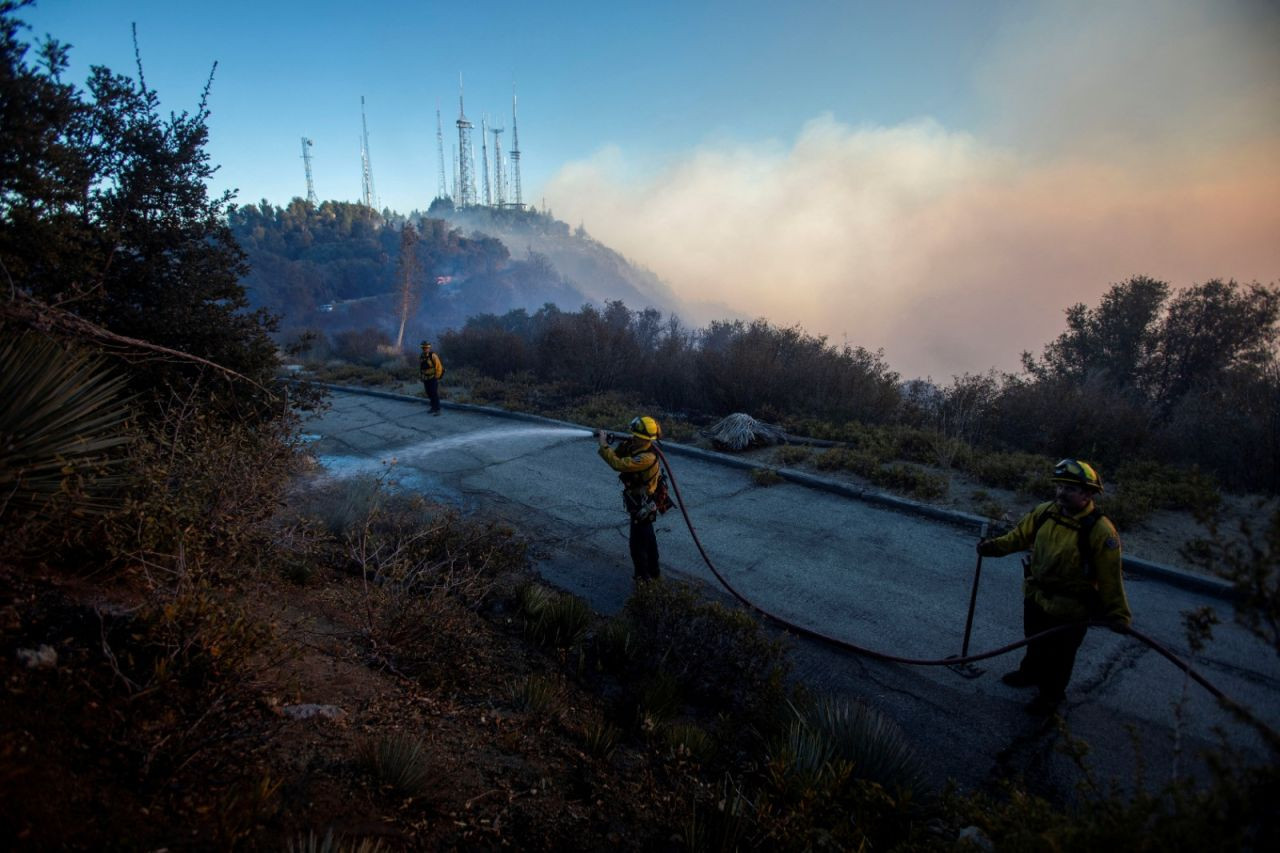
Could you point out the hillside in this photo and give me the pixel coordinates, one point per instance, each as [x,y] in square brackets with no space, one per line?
[341,266]
[595,270]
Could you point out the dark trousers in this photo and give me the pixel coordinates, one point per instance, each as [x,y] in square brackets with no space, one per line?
[432,387]
[1050,660]
[644,550]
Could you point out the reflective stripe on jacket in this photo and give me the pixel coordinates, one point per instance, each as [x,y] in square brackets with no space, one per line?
[429,366]
[1056,577]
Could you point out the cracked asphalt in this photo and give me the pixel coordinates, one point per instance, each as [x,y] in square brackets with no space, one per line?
[867,574]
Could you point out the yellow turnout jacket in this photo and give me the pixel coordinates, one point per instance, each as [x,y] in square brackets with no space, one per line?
[1056,578]
[636,463]
[429,366]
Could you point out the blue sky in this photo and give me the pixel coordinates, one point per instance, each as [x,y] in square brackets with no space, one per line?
[937,179]
[657,78]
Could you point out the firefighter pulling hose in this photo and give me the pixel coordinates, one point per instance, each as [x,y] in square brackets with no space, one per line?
[644,442]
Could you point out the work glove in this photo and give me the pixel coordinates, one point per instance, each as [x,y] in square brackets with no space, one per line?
[987,548]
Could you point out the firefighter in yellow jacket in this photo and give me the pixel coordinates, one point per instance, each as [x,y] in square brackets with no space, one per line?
[1072,575]
[638,469]
[430,369]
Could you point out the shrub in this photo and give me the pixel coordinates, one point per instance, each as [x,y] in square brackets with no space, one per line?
[1167,487]
[357,374]
[361,346]
[1027,473]
[765,477]
[989,507]
[911,480]
[862,463]
[791,454]
[719,656]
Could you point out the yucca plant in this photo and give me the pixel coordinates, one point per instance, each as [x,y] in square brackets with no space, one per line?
[329,843]
[600,737]
[722,824]
[531,598]
[536,693]
[561,622]
[659,697]
[875,748]
[398,760]
[63,421]
[687,740]
[616,645]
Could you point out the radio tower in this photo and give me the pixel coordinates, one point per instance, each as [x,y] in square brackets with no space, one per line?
[466,156]
[443,191]
[484,160]
[306,163]
[499,180]
[366,168]
[515,157]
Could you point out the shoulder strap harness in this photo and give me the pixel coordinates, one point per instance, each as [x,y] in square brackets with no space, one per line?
[1083,528]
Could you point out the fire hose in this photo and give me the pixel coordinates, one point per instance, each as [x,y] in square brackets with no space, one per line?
[1271,735]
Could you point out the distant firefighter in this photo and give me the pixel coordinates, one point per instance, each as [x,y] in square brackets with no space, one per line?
[430,369]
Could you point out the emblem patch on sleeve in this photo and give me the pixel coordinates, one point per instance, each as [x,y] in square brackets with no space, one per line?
[1112,543]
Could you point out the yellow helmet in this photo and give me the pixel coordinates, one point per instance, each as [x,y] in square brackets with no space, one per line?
[646,428]
[1076,472]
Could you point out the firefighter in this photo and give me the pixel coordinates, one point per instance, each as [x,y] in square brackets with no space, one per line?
[637,464]
[1073,575]
[430,369]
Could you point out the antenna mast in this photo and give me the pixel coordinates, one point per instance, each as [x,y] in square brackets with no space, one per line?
[306,163]
[515,156]
[366,167]
[499,180]
[442,191]
[484,159]
[466,156]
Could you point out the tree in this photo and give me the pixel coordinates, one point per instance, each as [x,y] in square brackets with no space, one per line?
[1117,340]
[409,276]
[1210,330]
[105,211]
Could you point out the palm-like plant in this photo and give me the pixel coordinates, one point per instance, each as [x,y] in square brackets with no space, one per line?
[62,416]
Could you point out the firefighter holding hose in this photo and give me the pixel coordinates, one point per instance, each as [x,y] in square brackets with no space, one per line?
[1073,575]
[643,490]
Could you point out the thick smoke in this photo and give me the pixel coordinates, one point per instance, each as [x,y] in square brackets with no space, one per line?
[1142,139]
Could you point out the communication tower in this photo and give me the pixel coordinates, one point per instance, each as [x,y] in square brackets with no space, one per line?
[466,156]
[499,179]
[442,191]
[484,160]
[366,167]
[515,157]
[306,164]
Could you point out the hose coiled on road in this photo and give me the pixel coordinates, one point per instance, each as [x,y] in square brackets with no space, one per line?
[1272,737]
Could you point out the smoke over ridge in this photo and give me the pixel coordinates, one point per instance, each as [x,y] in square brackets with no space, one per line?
[955,250]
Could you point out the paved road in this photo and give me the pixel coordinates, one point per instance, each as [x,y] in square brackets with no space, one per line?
[876,577]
